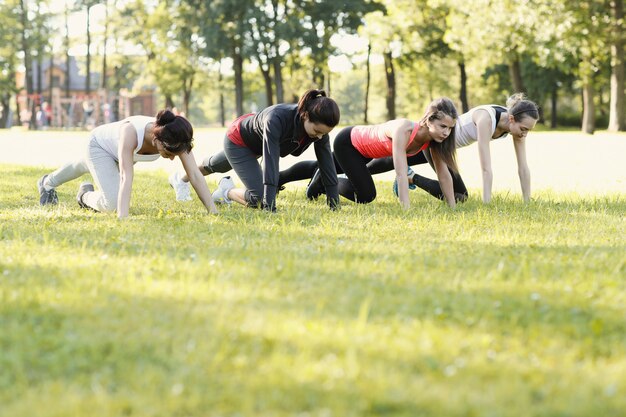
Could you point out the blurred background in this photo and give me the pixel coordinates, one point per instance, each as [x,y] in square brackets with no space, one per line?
[75,64]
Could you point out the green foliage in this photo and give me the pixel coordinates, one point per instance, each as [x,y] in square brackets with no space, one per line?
[502,309]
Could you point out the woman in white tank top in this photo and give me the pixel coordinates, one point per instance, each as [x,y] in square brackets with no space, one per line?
[111,154]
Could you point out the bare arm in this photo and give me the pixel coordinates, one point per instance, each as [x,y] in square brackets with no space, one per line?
[128,143]
[522,166]
[197,181]
[445,179]
[484,131]
[399,131]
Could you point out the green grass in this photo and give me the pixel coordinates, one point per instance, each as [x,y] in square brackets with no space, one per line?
[498,310]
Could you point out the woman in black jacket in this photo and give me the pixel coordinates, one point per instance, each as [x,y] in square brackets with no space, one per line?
[275,132]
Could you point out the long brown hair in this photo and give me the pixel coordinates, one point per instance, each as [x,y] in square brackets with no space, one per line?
[446,150]
[174,132]
[319,108]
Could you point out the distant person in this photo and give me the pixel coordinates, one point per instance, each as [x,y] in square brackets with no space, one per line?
[355,146]
[111,153]
[274,132]
[25,117]
[106,113]
[87,112]
[40,118]
[47,109]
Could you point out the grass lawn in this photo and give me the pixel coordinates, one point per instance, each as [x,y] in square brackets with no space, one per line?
[498,310]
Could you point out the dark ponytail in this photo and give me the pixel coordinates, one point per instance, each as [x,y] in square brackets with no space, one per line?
[446,150]
[319,108]
[174,132]
[519,107]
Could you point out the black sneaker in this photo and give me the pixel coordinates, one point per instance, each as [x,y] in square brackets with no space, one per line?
[315,187]
[84,187]
[46,197]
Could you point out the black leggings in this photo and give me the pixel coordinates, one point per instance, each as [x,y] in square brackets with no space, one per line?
[359,186]
[431,186]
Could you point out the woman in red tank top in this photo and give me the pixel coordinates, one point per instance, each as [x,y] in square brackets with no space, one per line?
[355,146]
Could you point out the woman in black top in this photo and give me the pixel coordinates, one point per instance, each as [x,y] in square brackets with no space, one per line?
[275,132]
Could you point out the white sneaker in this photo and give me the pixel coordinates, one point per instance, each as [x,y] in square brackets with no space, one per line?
[182,188]
[220,195]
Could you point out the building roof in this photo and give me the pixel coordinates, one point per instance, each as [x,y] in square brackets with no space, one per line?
[77,78]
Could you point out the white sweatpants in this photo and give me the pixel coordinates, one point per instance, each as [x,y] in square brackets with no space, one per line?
[105,171]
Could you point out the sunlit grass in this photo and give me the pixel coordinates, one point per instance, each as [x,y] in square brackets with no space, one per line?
[498,310]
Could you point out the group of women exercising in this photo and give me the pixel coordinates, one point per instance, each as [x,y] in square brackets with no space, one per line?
[289,129]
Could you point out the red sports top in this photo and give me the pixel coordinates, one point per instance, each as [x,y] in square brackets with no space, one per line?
[372,142]
[233,133]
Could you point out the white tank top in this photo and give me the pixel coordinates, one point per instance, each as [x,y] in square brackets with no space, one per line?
[108,136]
[466,132]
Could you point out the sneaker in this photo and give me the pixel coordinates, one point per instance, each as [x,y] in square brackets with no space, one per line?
[315,187]
[84,188]
[182,188]
[46,197]
[409,173]
[220,195]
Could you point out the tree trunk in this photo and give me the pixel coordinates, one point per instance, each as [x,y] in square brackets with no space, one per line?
[187,89]
[222,110]
[317,76]
[269,93]
[88,79]
[103,78]
[553,99]
[368,75]
[5,102]
[116,87]
[50,78]
[28,68]
[463,92]
[278,79]
[67,53]
[169,101]
[617,118]
[238,67]
[328,84]
[589,118]
[515,72]
[391,86]
[39,76]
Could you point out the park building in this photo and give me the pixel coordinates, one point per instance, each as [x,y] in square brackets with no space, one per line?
[59,105]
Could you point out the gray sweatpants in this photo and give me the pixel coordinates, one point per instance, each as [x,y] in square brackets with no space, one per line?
[246,165]
[103,168]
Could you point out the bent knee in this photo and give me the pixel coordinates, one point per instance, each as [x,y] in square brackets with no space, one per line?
[365,198]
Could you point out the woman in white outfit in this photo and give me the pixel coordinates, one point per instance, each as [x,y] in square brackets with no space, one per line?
[111,153]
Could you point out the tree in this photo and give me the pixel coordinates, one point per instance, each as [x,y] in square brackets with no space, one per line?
[87,5]
[9,36]
[617,118]
[322,20]
[580,31]
[170,37]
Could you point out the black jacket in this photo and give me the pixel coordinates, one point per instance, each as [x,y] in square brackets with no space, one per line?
[278,131]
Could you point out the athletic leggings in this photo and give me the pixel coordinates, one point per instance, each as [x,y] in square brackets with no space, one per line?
[105,171]
[246,165]
[429,185]
[359,186]
[304,170]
